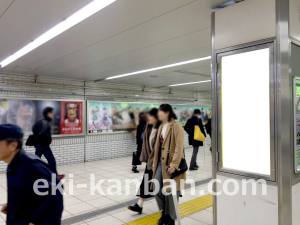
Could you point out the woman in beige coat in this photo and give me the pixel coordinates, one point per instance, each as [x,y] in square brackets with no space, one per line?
[147,155]
[170,138]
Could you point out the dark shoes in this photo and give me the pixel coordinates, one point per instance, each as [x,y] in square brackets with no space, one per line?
[136,208]
[168,220]
[193,168]
[135,170]
[162,219]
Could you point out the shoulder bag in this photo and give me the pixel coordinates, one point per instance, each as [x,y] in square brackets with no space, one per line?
[183,167]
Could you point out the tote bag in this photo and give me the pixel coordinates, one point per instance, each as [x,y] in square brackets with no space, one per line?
[198,135]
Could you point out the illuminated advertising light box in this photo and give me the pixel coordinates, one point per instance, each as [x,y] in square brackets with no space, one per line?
[297,123]
[67,115]
[117,116]
[245,112]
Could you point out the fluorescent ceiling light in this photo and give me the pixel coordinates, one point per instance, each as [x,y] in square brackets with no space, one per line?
[159,68]
[71,21]
[224,5]
[197,82]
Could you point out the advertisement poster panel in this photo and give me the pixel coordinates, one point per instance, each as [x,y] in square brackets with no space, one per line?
[19,112]
[297,124]
[71,117]
[115,116]
[55,123]
[25,113]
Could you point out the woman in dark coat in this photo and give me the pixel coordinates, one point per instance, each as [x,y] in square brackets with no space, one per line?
[147,155]
[190,128]
[139,142]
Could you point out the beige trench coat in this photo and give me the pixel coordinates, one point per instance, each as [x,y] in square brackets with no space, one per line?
[176,153]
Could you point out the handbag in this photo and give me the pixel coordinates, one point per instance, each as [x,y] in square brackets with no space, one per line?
[198,135]
[183,167]
[30,141]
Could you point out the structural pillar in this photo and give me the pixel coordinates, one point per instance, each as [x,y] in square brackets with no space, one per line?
[255,75]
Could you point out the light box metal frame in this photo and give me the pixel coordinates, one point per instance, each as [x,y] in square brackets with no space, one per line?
[233,51]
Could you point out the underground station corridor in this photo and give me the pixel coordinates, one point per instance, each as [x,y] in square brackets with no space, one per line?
[145,112]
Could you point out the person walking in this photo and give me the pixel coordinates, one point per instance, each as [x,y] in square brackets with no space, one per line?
[147,155]
[25,204]
[170,141]
[139,142]
[208,130]
[42,139]
[189,127]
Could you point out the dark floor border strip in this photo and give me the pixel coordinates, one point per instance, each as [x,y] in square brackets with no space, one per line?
[89,215]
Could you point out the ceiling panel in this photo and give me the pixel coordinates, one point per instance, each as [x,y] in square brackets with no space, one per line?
[4,5]
[105,24]
[26,20]
[164,79]
[127,36]
[162,31]
[173,51]
[197,53]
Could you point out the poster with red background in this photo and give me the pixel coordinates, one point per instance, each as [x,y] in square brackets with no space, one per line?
[71,117]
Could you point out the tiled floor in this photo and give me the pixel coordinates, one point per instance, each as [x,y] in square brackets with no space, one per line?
[120,168]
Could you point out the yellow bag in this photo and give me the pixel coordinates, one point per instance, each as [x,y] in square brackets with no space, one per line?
[198,135]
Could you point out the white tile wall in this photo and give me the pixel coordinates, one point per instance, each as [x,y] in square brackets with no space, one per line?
[108,146]
[105,146]
[66,151]
[112,146]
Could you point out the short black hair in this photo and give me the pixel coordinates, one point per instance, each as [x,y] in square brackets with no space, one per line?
[168,108]
[142,117]
[47,110]
[197,111]
[19,141]
[153,112]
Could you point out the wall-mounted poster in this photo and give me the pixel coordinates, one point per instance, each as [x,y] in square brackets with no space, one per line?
[184,112]
[25,113]
[55,123]
[71,117]
[108,116]
[19,112]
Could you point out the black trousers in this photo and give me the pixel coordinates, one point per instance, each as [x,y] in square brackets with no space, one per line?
[194,156]
[47,152]
[144,187]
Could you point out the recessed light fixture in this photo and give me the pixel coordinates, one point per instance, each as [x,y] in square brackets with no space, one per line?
[159,68]
[71,21]
[197,82]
